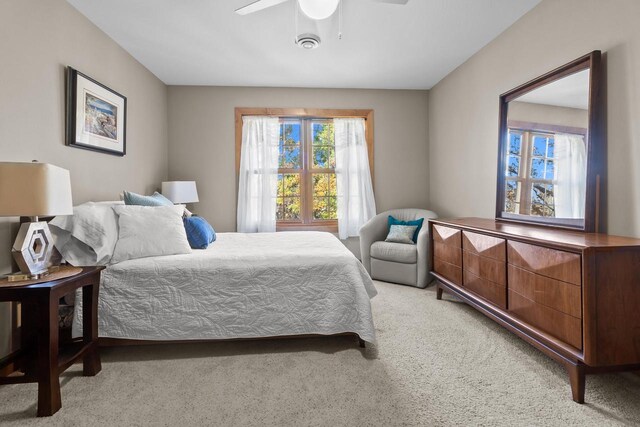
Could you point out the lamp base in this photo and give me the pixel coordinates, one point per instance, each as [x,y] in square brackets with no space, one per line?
[33,248]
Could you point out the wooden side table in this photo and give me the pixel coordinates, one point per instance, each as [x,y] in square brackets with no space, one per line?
[41,357]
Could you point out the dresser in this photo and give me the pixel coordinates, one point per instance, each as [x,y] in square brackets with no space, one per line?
[575,296]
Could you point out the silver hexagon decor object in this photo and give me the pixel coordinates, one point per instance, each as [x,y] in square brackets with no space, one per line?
[33,248]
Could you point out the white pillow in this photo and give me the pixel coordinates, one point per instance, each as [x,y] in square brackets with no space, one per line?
[73,250]
[147,231]
[401,234]
[89,236]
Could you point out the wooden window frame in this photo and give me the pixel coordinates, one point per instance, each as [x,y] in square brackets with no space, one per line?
[305,113]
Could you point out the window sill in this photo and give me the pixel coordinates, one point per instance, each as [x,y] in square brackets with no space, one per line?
[328,226]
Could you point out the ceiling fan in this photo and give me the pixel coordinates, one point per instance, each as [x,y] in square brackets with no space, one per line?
[314,9]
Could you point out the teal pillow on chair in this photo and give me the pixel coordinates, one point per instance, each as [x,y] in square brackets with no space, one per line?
[199,232]
[417,222]
[156,199]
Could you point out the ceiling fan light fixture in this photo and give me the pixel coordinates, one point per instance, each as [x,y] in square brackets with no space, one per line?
[318,9]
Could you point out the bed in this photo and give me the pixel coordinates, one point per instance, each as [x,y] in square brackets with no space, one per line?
[243,286]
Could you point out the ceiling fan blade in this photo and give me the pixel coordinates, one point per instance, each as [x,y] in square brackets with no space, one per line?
[258,5]
[392,1]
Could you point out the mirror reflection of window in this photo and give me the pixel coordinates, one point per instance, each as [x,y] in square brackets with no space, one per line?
[545,174]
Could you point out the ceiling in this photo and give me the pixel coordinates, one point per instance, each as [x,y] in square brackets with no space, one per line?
[571,91]
[384,46]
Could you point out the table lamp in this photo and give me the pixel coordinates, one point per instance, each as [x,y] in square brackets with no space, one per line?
[33,190]
[180,192]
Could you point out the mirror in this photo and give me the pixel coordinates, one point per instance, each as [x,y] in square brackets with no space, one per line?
[552,155]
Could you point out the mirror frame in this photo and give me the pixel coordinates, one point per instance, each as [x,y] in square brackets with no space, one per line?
[596,148]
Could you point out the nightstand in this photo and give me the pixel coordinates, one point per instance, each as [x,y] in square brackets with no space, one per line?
[42,358]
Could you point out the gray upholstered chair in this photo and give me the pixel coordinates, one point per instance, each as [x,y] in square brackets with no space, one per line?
[396,262]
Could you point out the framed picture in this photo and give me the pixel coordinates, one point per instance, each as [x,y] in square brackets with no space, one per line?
[96,115]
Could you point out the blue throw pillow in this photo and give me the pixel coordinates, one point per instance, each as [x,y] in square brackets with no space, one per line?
[199,232]
[139,200]
[417,222]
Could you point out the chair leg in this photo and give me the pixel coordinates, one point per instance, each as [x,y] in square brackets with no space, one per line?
[438,291]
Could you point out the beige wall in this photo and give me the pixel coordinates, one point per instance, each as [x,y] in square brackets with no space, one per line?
[463,107]
[37,40]
[202,141]
[548,114]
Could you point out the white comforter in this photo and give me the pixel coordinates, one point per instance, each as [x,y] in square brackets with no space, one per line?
[242,286]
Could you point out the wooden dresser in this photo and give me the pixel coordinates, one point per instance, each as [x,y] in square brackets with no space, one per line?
[575,296]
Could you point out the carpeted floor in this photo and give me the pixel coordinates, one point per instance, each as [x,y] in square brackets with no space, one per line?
[435,363]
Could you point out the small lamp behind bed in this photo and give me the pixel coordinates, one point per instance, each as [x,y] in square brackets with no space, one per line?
[33,190]
[180,193]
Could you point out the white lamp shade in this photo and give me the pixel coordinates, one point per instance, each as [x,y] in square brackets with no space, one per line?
[180,191]
[34,189]
[318,9]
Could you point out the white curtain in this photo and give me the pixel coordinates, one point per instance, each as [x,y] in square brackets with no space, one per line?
[356,203]
[258,184]
[570,176]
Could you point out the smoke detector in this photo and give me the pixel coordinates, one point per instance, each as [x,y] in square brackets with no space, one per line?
[308,41]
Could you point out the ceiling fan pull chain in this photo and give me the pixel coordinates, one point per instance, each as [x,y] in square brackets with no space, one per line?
[295,11]
[340,21]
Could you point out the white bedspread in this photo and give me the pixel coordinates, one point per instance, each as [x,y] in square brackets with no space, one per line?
[242,286]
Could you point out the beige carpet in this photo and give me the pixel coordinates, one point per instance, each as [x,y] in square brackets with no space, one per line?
[436,363]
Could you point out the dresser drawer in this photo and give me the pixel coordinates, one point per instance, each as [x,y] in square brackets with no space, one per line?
[547,262]
[447,235]
[447,270]
[447,253]
[555,294]
[492,292]
[487,246]
[556,323]
[487,268]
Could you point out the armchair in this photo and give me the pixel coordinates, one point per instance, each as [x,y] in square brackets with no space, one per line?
[396,262]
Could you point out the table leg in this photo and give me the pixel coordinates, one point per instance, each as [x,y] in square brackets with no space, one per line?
[49,401]
[28,337]
[91,362]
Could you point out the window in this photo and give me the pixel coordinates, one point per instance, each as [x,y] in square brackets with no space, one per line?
[307,192]
[530,173]
[307,187]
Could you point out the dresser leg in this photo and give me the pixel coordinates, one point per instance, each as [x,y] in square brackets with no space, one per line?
[577,379]
[438,291]
[49,401]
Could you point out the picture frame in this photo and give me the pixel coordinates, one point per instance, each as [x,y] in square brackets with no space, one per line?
[96,115]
